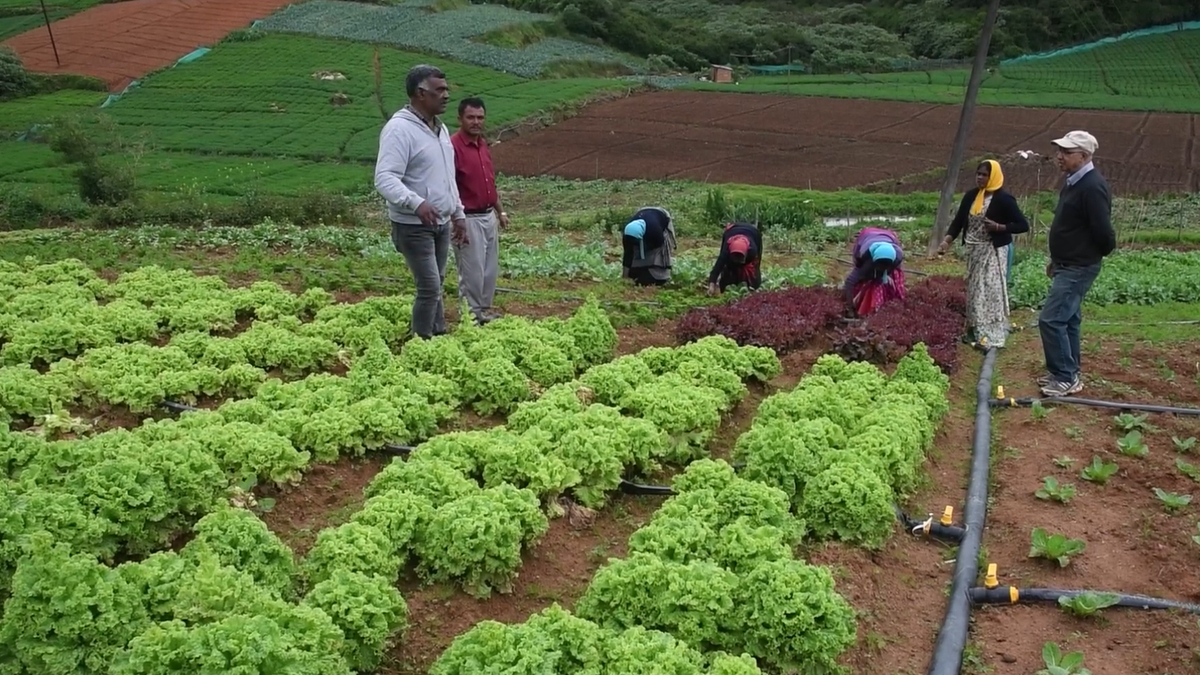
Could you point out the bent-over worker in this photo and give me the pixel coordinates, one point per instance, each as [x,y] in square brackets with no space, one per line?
[740,259]
[648,242]
[878,276]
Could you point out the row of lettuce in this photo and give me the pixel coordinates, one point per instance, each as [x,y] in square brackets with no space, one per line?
[715,569]
[823,461]
[713,574]
[75,507]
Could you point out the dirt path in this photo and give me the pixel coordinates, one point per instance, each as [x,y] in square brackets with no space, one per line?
[124,41]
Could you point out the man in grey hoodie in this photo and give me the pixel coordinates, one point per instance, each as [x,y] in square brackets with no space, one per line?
[415,174]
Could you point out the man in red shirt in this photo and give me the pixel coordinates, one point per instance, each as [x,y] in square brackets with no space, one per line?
[477,256]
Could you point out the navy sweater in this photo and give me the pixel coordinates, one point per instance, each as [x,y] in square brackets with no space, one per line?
[1082,232]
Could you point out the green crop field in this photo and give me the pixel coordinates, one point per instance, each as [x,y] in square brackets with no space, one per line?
[18,16]
[266,97]
[22,113]
[453,33]
[33,166]
[1155,73]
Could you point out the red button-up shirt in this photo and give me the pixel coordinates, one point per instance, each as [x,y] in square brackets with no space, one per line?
[473,172]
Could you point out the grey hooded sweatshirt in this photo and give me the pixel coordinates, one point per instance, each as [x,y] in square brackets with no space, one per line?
[416,165]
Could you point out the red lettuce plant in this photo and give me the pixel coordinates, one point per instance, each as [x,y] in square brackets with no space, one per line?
[934,313]
[782,320]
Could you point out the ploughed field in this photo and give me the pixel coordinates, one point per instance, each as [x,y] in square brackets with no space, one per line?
[828,144]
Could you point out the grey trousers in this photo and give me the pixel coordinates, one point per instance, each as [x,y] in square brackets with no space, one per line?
[478,262]
[425,249]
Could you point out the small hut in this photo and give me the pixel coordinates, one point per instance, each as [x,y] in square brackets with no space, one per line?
[723,74]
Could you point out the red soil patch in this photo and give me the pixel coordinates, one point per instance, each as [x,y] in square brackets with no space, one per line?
[1133,544]
[827,144]
[124,41]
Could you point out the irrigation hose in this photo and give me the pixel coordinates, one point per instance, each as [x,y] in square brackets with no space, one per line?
[179,407]
[1011,595]
[1113,405]
[647,490]
[952,636]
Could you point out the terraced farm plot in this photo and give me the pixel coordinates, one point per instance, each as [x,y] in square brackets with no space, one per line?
[18,16]
[452,33]
[34,167]
[311,98]
[1159,73]
[122,41]
[22,113]
[829,143]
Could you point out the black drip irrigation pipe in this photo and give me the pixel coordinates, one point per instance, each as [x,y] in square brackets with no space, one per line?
[1113,405]
[179,407]
[647,490]
[1011,595]
[952,636]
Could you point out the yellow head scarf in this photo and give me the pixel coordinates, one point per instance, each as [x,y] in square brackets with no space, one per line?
[995,182]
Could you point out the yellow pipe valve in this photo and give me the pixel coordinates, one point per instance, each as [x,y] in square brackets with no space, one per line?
[1000,392]
[948,515]
[991,581]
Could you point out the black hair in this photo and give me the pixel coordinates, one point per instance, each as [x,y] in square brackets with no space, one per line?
[470,102]
[417,76]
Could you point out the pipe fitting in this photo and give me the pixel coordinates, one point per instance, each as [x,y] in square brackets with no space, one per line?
[930,528]
[991,580]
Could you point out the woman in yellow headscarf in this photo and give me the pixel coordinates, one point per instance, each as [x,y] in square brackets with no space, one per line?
[987,219]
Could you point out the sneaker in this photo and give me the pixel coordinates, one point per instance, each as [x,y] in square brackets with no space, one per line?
[1045,380]
[1055,389]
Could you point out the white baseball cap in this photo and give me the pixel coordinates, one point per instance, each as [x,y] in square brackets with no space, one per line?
[1078,140]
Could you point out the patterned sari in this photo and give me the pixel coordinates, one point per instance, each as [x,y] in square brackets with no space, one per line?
[987,283]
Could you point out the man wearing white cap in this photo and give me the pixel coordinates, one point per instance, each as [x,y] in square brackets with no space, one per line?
[1080,237]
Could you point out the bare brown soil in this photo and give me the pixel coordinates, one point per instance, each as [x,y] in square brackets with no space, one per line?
[826,144]
[1133,545]
[121,42]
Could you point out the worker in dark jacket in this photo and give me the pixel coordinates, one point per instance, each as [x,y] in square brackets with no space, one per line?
[878,274]
[1081,235]
[649,243]
[740,259]
[987,219]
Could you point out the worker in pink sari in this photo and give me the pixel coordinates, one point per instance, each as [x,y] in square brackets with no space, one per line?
[877,276]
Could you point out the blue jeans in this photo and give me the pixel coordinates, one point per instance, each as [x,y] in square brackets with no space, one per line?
[1060,319]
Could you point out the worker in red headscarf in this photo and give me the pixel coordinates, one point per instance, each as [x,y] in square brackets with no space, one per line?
[740,259]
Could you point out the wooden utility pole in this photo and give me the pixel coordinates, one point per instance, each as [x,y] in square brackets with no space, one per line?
[46,16]
[941,221]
